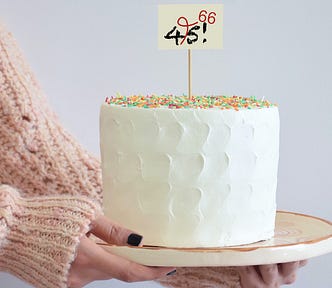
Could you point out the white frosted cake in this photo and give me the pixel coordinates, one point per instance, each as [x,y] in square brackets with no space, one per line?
[198,172]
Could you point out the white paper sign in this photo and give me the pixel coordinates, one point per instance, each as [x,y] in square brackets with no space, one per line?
[194,26]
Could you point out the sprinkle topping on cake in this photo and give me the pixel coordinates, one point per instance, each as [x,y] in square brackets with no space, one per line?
[182,102]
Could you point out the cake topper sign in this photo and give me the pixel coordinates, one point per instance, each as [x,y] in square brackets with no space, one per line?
[195,26]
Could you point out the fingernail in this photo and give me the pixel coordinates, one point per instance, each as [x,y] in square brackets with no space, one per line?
[134,239]
[171,273]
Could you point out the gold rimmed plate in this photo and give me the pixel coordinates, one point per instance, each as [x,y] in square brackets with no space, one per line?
[297,237]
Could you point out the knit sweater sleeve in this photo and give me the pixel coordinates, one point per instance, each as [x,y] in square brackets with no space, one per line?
[39,235]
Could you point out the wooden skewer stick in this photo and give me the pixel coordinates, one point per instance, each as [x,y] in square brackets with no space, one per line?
[189,74]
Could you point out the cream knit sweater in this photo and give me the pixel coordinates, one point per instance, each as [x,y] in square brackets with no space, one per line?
[50,187]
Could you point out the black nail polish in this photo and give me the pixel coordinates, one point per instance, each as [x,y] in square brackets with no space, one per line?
[134,239]
[171,273]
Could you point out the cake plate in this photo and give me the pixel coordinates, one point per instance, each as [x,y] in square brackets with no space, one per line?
[297,237]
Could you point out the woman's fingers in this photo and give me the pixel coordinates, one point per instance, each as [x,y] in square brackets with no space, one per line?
[288,268]
[273,275]
[123,269]
[303,263]
[269,273]
[249,277]
[112,233]
[288,271]
[94,263]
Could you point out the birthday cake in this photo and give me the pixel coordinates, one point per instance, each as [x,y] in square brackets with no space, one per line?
[191,172]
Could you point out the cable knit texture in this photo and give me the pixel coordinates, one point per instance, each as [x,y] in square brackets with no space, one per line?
[50,187]
[57,183]
[37,155]
[39,235]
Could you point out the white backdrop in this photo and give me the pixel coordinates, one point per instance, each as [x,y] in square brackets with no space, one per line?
[83,51]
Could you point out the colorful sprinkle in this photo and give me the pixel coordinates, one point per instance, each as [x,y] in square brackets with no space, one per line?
[197,102]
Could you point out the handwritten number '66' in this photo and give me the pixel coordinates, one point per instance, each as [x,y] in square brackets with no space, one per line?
[203,16]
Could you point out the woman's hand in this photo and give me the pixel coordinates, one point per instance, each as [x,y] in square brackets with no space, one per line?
[94,263]
[269,276]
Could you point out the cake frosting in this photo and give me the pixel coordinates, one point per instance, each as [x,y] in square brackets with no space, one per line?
[191,172]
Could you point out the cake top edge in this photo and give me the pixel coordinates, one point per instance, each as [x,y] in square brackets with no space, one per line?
[193,102]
